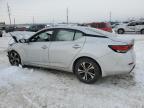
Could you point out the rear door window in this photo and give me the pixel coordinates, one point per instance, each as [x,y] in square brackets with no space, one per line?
[78,35]
[64,35]
[67,35]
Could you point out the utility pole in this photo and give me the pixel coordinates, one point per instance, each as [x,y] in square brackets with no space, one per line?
[33,20]
[14,21]
[1,2]
[53,22]
[67,15]
[110,17]
[9,13]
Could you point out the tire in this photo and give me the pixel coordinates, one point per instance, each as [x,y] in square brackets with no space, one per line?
[87,70]
[142,31]
[14,58]
[120,31]
[0,34]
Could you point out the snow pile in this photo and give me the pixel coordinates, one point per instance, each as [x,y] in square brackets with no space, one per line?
[12,74]
[4,43]
[139,48]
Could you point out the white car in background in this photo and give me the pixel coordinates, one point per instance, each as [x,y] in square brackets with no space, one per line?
[88,52]
[135,26]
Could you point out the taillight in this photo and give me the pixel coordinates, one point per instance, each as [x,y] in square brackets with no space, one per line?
[121,48]
[110,30]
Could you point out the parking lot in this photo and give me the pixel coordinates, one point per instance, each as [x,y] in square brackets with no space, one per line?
[32,87]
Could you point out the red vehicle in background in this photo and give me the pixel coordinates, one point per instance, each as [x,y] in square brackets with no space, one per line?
[100,25]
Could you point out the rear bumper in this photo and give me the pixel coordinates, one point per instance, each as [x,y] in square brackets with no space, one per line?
[118,71]
[116,63]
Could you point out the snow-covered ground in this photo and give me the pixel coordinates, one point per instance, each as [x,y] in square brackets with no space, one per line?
[44,88]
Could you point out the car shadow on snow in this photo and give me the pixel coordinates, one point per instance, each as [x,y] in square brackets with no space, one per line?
[124,80]
[59,73]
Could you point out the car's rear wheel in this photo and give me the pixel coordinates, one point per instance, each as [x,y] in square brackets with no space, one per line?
[120,31]
[142,31]
[14,58]
[87,70]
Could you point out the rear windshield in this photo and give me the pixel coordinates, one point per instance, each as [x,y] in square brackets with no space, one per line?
[100,25]
[93,31]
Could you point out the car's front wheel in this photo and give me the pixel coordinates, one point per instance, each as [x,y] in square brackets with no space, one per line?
[14,58]
[87,70]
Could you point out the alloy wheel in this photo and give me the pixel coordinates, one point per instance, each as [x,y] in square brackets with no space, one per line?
[86,71]
[14,58]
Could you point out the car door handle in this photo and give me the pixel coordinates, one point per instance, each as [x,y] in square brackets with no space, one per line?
[44,47]
[76,46]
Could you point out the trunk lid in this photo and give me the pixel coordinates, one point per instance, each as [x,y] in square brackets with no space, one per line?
[122,39]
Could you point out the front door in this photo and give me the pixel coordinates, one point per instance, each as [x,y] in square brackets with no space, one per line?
[36,50]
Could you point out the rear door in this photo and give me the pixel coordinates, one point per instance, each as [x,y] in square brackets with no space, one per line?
[66,45]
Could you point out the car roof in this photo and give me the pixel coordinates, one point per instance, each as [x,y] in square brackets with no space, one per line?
[86,30]
[70,27]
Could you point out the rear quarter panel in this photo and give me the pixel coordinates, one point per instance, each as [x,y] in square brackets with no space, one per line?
[93,48]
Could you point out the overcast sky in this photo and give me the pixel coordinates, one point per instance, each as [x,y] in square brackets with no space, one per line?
[79,10]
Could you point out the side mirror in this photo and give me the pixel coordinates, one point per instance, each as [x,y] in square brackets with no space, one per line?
[23,41]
